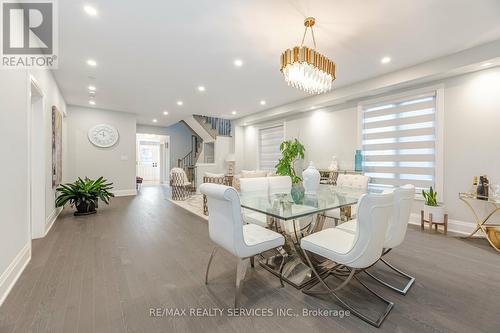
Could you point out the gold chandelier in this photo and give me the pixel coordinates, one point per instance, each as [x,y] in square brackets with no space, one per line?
[306,69]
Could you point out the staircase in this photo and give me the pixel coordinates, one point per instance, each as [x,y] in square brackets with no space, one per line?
[215,126]
[188,162]
[207,129]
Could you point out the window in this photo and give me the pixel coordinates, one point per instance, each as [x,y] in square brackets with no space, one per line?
[398,139]
[269,147]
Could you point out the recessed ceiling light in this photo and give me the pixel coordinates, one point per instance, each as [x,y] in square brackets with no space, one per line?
[385,60]
[234,112]
[91,62]
[92,88]
[238,62]
[90,10]
[263,102]
[180,103]
[486,64]
[92,102]
[165,113]
[155,120]
[201,88]
[313,107]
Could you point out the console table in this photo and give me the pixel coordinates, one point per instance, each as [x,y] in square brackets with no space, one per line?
[491,231]
[330,176]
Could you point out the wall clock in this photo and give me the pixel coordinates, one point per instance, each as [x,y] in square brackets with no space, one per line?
[103,135]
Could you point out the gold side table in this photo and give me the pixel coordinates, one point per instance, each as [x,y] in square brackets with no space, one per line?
[491,231]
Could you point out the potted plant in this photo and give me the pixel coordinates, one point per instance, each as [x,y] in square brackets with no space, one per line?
[431,206]
[84,194]
[291,151]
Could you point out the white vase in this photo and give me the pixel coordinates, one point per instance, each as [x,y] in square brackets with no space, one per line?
[436,211]
[311,178]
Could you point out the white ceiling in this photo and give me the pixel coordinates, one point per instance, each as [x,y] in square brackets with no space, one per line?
[151,54]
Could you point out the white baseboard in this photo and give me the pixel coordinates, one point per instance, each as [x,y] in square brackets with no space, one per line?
[13,272]
[456,226]
[51,219]
[124,193]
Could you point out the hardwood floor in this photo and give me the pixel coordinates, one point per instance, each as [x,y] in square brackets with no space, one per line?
[104,273]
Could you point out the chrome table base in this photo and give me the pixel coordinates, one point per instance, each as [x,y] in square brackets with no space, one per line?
[288,262]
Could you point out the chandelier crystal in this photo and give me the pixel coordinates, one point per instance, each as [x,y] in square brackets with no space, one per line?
[306,69]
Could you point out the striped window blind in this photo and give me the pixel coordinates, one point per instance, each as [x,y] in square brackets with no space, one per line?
[399,142]
[269,146]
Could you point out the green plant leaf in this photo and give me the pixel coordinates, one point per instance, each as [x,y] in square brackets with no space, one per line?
[84,190]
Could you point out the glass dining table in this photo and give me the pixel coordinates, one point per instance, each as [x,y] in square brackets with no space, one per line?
[295,220]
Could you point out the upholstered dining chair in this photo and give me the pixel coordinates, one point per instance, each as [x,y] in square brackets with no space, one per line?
[226,229]
[353,181]
[396,232]
[352,252]
[249,185]
[280,184]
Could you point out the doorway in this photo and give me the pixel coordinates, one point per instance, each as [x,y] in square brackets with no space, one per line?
[37,161]
[153,158]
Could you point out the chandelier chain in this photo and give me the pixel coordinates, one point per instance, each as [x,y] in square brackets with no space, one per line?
[304,37]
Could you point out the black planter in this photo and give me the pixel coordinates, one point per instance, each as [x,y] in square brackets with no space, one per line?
[85,208]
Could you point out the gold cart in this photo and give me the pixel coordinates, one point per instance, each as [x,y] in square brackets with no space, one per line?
[491,231]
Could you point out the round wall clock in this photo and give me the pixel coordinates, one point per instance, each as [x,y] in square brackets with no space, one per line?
[103,135]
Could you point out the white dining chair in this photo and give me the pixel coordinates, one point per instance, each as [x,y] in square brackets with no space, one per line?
[226,229]
[352,181]
[254,185]
[279,185]
[396,232]
[353,252]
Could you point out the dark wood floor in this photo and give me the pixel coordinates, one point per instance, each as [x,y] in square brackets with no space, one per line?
[103,273]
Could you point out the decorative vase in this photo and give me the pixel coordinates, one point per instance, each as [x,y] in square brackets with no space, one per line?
[436,211]
[297,193]
[311,179]
[358,161]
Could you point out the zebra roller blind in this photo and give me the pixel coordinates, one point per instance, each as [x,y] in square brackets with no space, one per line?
[269,146]
[399,142]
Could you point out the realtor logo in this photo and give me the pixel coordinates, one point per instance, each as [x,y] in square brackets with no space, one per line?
[29,36]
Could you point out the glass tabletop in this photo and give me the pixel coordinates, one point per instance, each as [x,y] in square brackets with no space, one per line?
[491,198]
[282,206]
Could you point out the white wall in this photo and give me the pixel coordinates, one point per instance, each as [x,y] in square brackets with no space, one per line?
[52,97]
[117,163]
[471,136]
[14,225]
[324,132]
[15,108]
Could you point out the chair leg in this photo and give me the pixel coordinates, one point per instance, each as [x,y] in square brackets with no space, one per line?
[402,291]
[252,261]
[209,263]
[377,322]
[241,270]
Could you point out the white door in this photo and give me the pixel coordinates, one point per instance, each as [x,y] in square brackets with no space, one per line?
[148,166]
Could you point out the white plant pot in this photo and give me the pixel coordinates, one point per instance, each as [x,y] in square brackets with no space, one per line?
[436,211]
[311,178]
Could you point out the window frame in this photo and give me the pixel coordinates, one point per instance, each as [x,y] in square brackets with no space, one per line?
[439,127]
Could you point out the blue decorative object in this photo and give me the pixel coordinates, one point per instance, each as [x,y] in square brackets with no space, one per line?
[358,161]
[297,192]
